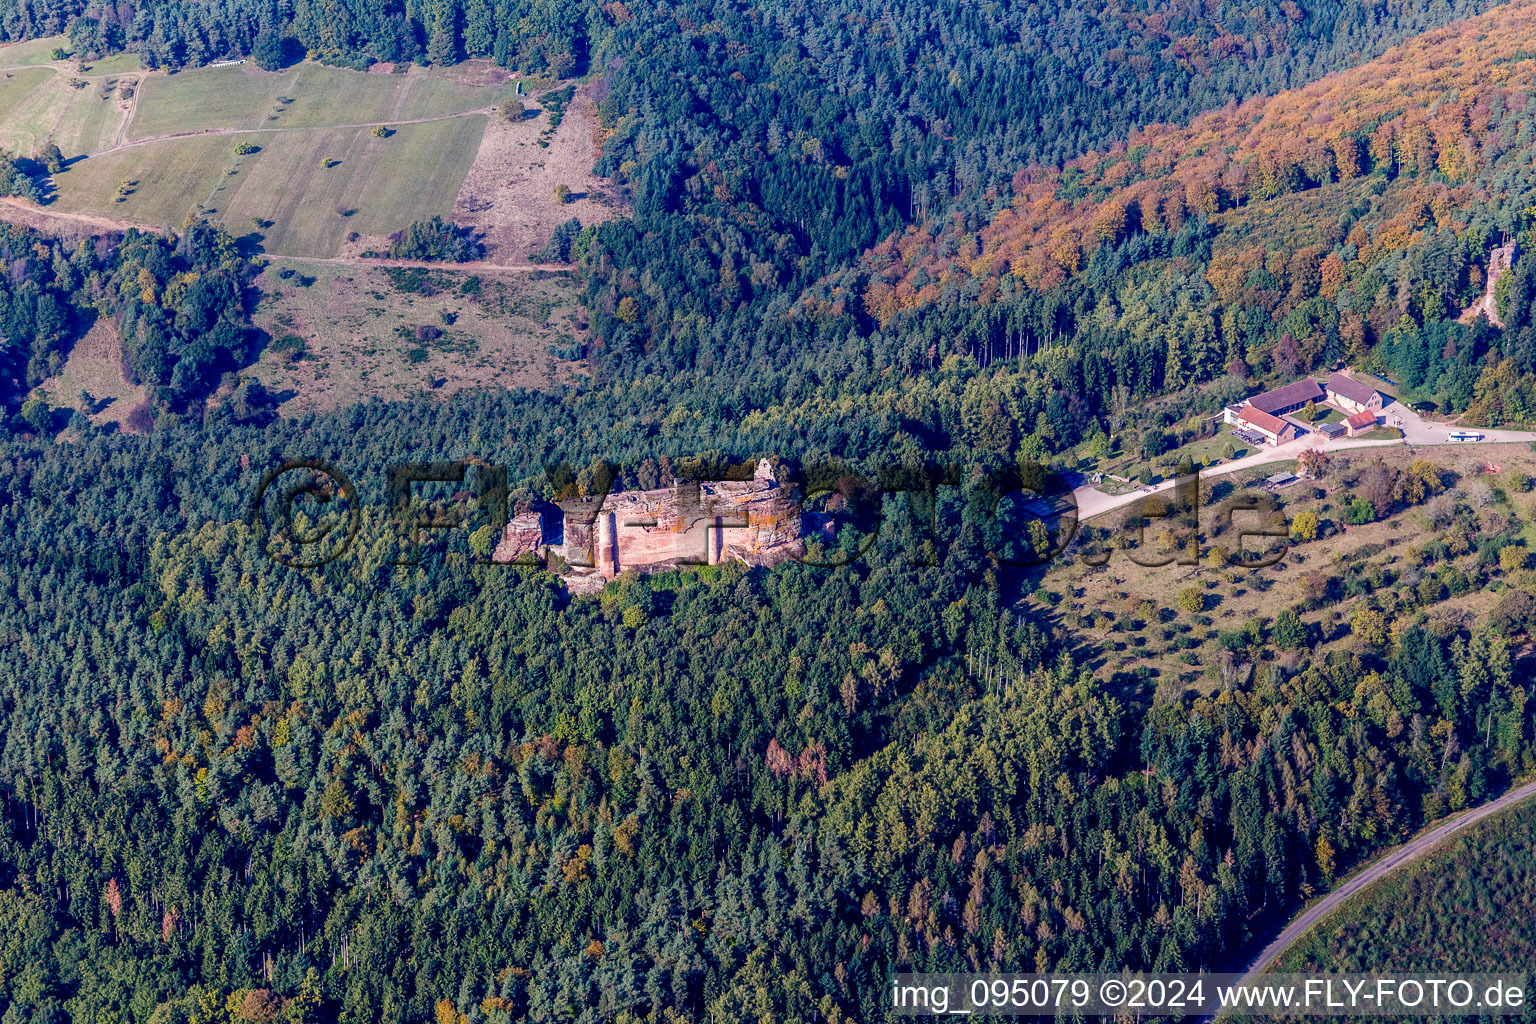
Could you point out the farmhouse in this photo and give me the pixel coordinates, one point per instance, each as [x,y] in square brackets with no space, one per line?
[1351,396]
[1261,420]
[1360,422]
[1272,429]
[1289,398]
[754,521]
[1281,400]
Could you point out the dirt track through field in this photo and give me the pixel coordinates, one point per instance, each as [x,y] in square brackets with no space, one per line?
[472,267]
[18,211]
[121,135]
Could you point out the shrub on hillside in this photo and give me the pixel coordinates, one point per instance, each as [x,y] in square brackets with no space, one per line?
[140,419]
[435,239]
[15,181]
[290,347]
[1360,512]
[1305,526]
[558,250]
[50,157]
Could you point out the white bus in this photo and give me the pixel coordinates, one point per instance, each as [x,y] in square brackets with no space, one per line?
[1466,435]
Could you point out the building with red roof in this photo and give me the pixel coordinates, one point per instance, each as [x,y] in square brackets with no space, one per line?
[1352,396]
[1361,422]
[1274,429]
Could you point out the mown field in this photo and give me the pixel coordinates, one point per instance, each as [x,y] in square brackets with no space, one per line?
[37,52]
[154,148]
[376,186]
[30,53]
[81,112]
[304,96]
[1469,907]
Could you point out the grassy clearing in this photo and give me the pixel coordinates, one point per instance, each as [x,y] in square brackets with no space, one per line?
[310,183]
[94,365]
[508,194]
[283,194]
[360,332]
[116,64]
[75,105]
[38,52]
[1209,451]
[31,52]
[304,96]
[19,127]
[387,183]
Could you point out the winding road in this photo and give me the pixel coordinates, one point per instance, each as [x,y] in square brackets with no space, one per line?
[1410,851]
[1093,502]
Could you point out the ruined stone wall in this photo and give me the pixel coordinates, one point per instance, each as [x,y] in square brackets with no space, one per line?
[522,540]
[755,521]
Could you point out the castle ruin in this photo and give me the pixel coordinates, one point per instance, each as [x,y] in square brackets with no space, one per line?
[694,522]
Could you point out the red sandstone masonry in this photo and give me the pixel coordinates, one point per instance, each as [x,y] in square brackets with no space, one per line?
[755,521]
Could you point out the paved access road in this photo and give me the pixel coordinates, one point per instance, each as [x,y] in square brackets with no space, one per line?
[1093,502]
[1410,851]
[1417,433]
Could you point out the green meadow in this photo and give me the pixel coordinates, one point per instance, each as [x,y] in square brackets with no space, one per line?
[152,148]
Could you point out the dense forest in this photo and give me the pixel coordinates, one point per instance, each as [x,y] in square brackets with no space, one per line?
[1098,71]
[1347,221]
[382,793]
[763,151]
[891,234]
[1351,219]
[178,301]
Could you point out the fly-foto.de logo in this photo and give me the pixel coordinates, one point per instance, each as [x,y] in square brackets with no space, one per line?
[762,512]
